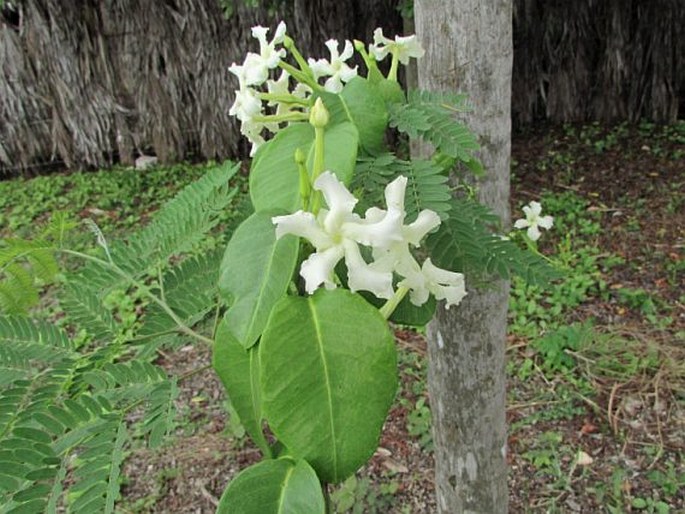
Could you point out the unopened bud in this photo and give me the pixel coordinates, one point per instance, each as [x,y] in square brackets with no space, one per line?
[318,116]
[300,157]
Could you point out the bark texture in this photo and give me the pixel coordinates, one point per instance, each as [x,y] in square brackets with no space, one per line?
[469,48]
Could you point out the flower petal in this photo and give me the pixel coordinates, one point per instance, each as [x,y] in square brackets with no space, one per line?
[318,268]
[279,35]
[380,234]
[521,223]
[444,284]
[302,224]
[362,277]
[546,221]
[339,200]
[394,193]
[320,68]
[535,208]
[534,232]
[426,221]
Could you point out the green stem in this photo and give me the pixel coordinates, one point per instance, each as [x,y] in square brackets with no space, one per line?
[182,327]
[318,166]
[300,76]
[283,98]
[277,118]
[290,46]
[327,498]
[392,74]
[390,306]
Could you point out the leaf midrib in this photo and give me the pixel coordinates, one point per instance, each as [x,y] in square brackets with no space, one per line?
[319,341]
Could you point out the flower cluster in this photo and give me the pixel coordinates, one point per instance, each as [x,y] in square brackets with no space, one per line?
[337,233]
[292,104]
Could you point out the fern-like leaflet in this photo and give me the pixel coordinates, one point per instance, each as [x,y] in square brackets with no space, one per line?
[430,116]
[64,409]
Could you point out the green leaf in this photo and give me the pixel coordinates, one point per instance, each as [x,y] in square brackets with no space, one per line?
[274,177]
[238,370]
[319,356]
[366,109]
[280,486]
[255,274]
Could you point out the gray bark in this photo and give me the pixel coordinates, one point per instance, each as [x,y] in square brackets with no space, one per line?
[469,48]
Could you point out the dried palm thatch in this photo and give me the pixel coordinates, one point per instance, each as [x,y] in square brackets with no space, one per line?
[86,83]
[90,82]
[604,60]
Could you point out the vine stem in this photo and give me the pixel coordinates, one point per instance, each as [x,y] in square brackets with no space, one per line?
[182,327]
[327,498]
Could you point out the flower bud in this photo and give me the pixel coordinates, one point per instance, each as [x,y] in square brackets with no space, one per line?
[300,157]
[318,115]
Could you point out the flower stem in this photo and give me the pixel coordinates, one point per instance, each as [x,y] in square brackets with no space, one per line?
[290,46]
[390,306]
[284,98]
[277,118]
[392,74]
[300,76]
[318,167]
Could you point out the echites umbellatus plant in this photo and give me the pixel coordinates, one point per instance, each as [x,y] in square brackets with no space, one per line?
[346,235]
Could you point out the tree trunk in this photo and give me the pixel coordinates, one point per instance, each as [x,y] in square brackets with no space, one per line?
[469,48]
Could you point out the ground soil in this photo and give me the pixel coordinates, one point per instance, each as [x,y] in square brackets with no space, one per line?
[613,426]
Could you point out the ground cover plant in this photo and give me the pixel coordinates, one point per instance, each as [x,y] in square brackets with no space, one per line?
[601,377]
[294,343]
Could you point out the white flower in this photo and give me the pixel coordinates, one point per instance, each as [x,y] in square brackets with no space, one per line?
[404,47]
[335,234]
[533,220]
[337,71]
[257,66]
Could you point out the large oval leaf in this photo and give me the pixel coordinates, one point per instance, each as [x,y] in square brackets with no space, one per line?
[366,108]
[280,486]
[238,370]
[328,372]
[255,274]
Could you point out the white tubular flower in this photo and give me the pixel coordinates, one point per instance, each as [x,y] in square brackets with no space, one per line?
[337,71]
[533,220]
[405,47]
[257,66]
[335,234]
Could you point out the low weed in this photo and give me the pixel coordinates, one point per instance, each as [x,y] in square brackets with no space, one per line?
[361,496]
